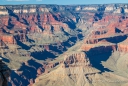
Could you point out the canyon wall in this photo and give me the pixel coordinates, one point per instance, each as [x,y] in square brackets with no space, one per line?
[36,37]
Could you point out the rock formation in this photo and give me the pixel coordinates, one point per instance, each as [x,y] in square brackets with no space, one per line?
[122,46]
[77,70]
[4,73]
[79,45]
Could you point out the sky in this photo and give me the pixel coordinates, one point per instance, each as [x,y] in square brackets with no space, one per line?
[60,2]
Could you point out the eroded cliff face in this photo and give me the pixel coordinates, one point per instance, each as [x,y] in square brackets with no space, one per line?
[115,8]
[49,39]
[77,69]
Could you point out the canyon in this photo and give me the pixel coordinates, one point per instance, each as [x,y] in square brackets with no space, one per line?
[65,45]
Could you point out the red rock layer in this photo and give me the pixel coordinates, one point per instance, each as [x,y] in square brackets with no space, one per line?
[8,39]
[74,58]
[123,46]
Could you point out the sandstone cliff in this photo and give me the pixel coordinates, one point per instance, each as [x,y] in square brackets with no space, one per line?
[77,70]
[40,41]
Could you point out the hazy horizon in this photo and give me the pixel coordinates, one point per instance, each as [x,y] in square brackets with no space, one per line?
[58,2]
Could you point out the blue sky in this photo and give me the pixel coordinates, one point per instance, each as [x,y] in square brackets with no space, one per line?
[61,2]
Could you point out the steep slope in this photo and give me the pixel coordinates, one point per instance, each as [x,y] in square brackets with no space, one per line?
[76,70]
[4,73]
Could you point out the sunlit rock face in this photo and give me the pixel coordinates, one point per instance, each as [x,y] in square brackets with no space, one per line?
[77,68]
[78,45]
[114,8]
